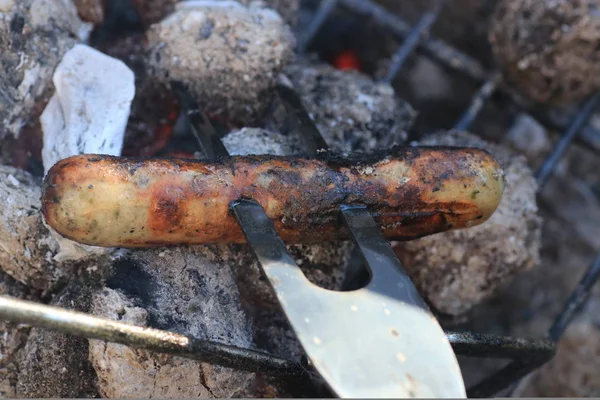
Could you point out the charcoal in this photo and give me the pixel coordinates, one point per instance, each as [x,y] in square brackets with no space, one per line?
[29,252]
[13,337]
[90,10]
[153,11]
[226,54]
[548,50]
[54,364]
[184,294]
[288,9]
[353,112]
[529,137]
[34,35]
[457,270]
[574,370]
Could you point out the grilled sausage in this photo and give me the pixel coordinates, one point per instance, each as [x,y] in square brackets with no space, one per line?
[411,191]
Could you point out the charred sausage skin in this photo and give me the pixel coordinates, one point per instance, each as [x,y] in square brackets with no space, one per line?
[131,202]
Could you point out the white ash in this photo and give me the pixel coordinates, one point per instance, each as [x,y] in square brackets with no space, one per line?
[428,80]
[28,251]
[459,269]
[259,141]
[188,290]
[353,112]
[529,137]
[34,35]
[153,11]
[227,56]
[89,111]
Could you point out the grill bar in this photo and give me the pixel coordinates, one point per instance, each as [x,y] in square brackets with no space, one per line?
[486,345]
[412,41]
[576,300]
[478,101]
[576,126]
[434,48]
[203,131]
[325,8]
[301,120]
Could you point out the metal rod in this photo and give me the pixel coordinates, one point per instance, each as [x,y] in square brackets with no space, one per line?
[206,136]
[300,119]
[325,8]
[486,345]
[576,300]
[478,101]
[378,254]
[578,123]
[436,49]
[412,40]
[91,327]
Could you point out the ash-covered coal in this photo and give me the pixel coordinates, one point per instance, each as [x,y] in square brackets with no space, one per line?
[185,290]
[459,269]
[259,141]
[548,49]
[574,370]
[34,35]
[54,364]
[13,337]
[227,55]
[352,111]
[29,252]
[153,11]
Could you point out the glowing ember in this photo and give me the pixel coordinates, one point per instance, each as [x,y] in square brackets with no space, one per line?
[347,60]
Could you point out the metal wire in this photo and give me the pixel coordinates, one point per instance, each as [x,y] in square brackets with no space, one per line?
[576,126]
[478,101]
[91,327]
[412,40]
[325,8]
[576,300]
[434,48]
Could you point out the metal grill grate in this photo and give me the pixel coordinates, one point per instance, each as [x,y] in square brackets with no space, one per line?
[417,39]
